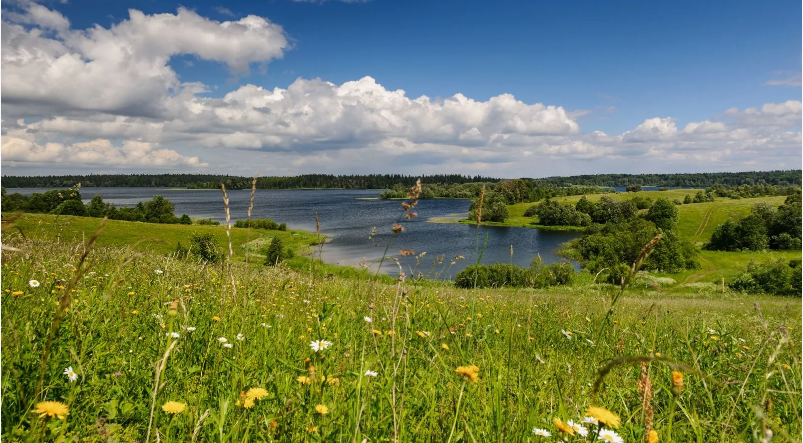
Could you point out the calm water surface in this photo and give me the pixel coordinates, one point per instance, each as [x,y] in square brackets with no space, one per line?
[347,217]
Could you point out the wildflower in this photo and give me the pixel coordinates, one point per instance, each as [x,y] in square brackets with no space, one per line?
[190,328]
[562,427]
[320,345]
[321,409]
[677,382]
[334,381]
[540,360]
[610,436]
[368,319]
[158,272]
[581,430]
[117,374]
[652,437]
[240,337]
[370,373]
[248,403]
[17,293]
[445,346]
[227,345]
[52,409]
[304,380]
[71,375]
[173,407]
[376,332]
[422,334]
[541,432]
[256,393]
[567,334]
[604,416]
[172,334]
[312,429]
[397,228]
[222,339]
[589,421]
[216,318]
[34,283]
[469,373]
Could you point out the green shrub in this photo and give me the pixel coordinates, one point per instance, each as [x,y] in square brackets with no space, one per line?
[260,223]
[494,208]
[207,222]
[775,277]
[185,220]
[71,207]
[204,247]
[276,252]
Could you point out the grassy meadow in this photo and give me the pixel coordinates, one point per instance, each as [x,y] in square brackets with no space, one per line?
[167,349]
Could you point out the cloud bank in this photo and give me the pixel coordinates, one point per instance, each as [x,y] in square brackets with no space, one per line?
[108,96]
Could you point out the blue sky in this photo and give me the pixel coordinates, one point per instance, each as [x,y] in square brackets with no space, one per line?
[609,65]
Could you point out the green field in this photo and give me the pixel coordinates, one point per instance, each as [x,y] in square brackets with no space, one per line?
[537,353]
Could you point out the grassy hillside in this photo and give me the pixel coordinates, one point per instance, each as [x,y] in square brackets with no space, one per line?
[401,362]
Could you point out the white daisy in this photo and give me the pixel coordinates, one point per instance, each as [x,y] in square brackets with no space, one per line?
[567,334]
[540,360]
[581,430]
[590,421]
[190,328]
[227,345]
[158,272]
[71,375]
[222,339]
[34,283]
[610,436]
[240,337]
[370,373]
[320,345]
[368,319]
[541,432]
[172,334]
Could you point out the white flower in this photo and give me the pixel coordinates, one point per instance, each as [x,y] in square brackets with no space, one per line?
[581,430]
[589,421]
[590,341]
[222,339]
[610,436]
[265,325]
[279,316]
[368,319]
[34,283]
[540,360]
[370,373]
[158,272]
[190,328]
[567,334]
[320,345]
[227,345]
[71,375]
[172,334]
[541,432]
[240,337]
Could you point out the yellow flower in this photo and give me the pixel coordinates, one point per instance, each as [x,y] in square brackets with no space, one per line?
[421,334]
[321,409]
[312,429]
[376,332]
[445,346]
[334,381]
[248,403]
[304,380]
[216,318]
[52,409]
[17,293]
[562,427]
[677,382]
[469,373]
[173,407]
[256,393]
[604,416]
[652,437]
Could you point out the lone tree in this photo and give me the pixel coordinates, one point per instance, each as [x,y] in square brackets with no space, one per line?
[664,214]
[275,252]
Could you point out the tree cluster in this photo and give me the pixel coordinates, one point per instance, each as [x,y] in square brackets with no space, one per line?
[764,228]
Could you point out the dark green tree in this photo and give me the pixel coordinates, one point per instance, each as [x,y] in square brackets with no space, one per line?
[664,214]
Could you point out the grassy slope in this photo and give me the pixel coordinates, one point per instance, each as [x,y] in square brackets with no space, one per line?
[529,372]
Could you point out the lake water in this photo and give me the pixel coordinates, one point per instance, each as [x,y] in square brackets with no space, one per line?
[347,218]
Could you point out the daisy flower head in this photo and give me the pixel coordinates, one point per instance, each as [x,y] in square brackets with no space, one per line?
[34,283]
[52,409]
[222,339]
[240,337]
[604,416]
[320,345]
[370,373]
[227,345]
[610,436]
[190,328]
[588,420]
[71,375]
[581,430]
[541,432]
[173,334]
[368,319]
[173,407]
[158,272]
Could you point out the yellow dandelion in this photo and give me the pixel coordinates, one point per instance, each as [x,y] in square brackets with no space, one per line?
[604,416]
[677,382]
[469,373]
[334,381]
[376,332]
[248,403]
[652,437]
[216,318]
[312,429]
[321,409]
[173,407]
[562,427]
[304,380]
[52,409]
[445,346]
[17,293]
[256,393]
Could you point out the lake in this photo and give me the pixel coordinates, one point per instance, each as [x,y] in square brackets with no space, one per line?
[347,218]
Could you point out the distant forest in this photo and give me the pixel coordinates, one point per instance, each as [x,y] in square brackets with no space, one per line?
[387,181]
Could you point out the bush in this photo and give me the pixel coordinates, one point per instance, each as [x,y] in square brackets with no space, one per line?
[609,210]
[776,277]
[185,220]
[552,213]
[260,223]
[642,202]
[687,199]
[584,206]
[71,207]
[204,247]
[504,274]
[207,222]
[276,252]
[494,208]
[664,214]
[633,188]
[786,242]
